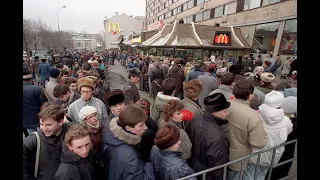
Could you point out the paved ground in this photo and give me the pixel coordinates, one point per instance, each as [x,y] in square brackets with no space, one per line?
[117,77]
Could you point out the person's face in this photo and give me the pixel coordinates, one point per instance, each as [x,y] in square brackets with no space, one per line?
[92,119]
[117,108]
[65,97]
[176,146]
[138,129]
[50,126]
[86,93]
[95,66]
[73,87]
[64,77]
[177,116]
[81,75]
[221,114]
[135,79]
[80,146]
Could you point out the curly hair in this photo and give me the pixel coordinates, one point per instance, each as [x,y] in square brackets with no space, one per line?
[171,107]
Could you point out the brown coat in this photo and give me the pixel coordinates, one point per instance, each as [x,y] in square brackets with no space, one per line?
[245,131]
[176,73]
[156,76]
[131,93]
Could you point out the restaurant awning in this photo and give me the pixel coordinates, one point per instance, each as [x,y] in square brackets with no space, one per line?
[118,41]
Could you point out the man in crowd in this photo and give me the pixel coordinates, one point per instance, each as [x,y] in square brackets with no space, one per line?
[130,90]
[33,98]
[64,95]
[245,127]
[51,134]
[86,88]
[53,81]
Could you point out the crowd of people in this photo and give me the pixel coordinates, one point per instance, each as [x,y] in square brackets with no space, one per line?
[205,113]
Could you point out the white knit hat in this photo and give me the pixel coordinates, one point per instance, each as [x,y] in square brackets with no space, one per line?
[85,112]
[289,105]
[274,99]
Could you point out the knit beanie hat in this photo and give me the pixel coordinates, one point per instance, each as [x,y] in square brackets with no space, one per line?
[85,112]
[193,88]
[54,72]
[274,99]
[290,92]
[167,136]
[85,81]
[289,105]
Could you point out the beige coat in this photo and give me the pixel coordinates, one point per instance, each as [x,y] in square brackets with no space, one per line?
[49,88]
[245,131]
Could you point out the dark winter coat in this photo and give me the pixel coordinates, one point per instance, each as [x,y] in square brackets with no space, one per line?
[33,98]
[101,73]
[176,72]
[156,76]
[147,140]
[100,94]
[131,93]
[67,61]
[211,146]
[44,71]
[169,165]
[49,158]
[74,167]
[121,155]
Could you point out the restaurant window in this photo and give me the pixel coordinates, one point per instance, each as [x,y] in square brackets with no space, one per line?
[190,4]
[189,19]
[166,4]
[78,44]
[185,7]
[170,2]
[199,2]
[199,17]
[266,2]
[218,11]
[178,9]
[230,8]
[206,15]
[250,4]
[168,14]
[288,43]
[265,37]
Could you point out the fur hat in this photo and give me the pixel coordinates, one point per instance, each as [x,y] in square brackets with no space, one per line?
[267,77]
[290,92]
[133,72]
[289,105]
[85,81]
[115,97]
[216,102]
[167,136]
[274,99]
[85,112]
[54,72]
[193,88]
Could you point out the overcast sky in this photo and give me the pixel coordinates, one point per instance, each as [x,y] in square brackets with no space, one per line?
[80,14]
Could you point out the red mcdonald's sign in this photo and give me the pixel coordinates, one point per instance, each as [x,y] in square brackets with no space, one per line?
[222,38]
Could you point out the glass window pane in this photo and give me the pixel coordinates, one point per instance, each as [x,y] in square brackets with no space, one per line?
[185,7]
[199,17]
[199,2]
[230,8]
[265,38]
[250,4]
[206,15]
[179,9]
[218,11]
[288,43]
[190,4]
[266,2]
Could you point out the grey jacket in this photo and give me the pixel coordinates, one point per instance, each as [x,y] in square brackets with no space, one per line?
[75,107]
[209,84]
[169,165]
[158,106]
[131,93]
[226,90]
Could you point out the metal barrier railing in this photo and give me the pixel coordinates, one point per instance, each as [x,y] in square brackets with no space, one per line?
[224,166]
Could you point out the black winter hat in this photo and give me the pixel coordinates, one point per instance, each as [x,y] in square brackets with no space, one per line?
[54,72]
[115,97]
[216,102]
[133,72]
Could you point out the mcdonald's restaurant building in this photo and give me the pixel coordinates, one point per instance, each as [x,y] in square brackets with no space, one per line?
[121,25]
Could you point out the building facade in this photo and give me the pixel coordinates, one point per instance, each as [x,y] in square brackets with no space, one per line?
[269,26]
[121,25]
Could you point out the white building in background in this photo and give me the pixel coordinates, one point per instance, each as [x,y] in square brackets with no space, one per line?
[86,41]
[122,25]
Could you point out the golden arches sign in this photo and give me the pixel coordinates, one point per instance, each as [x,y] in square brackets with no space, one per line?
[114,27]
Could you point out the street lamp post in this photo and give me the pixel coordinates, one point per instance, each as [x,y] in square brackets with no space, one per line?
[58,16]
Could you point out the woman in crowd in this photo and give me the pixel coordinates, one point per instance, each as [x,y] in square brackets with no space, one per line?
[173,115]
